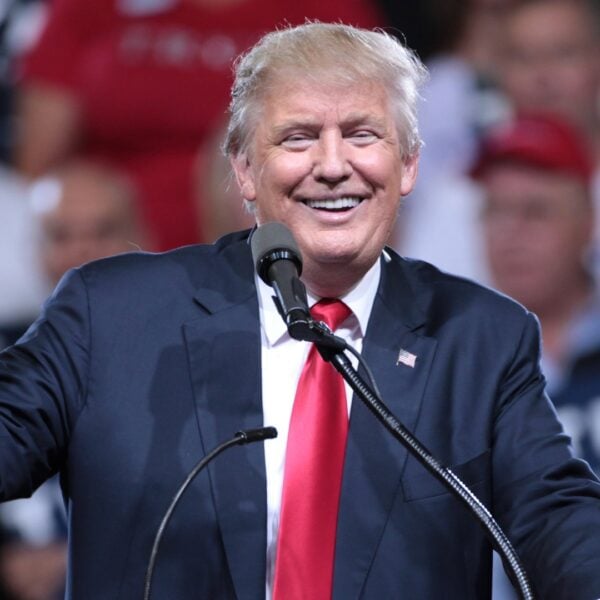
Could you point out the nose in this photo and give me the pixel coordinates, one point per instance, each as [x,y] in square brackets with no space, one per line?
[332,162]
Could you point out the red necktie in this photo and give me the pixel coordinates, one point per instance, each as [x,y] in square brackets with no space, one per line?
[314,462]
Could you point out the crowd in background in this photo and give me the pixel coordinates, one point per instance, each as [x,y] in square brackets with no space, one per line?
[111,118]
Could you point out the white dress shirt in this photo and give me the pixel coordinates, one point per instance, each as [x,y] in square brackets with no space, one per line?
[282,360]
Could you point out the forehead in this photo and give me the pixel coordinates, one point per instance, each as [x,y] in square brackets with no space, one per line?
[309,100]
[525,183]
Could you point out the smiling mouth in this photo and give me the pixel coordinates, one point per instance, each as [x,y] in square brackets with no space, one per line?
[334,204]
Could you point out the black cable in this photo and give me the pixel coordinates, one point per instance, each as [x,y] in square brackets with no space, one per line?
[241,437]
[363,363]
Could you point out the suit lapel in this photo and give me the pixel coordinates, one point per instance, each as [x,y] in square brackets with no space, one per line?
[224,354]
[374,459]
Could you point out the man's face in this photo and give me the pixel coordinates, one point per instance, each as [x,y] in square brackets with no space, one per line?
[551,60]
[87,223]
[327,162]
[538,226]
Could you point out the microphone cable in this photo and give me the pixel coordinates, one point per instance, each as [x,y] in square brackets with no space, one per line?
[247,436]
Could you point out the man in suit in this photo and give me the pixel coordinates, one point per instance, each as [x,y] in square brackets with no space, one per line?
[142,363]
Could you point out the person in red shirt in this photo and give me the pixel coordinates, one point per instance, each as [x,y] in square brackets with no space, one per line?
[144,84]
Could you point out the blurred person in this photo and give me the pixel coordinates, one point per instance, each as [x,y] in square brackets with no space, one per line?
[80,212]
[459,99]
[440,219]
[538,223]
[144,84]
[20,22]
[224,210]
[432,27]
[83,211]
[33,545]
[23,286]
[143,362]
[536,174]
[551,61]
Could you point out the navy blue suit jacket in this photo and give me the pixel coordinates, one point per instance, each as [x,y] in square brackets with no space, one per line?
[141,364]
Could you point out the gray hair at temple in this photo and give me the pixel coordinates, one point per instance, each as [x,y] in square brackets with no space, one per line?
[327,53]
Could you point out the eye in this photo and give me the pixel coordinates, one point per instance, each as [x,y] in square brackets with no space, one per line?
[362,136]
[297,141]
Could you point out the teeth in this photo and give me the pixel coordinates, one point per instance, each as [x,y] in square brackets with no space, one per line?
[334,204]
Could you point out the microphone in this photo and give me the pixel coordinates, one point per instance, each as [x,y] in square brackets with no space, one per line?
[278,262]
[247,436]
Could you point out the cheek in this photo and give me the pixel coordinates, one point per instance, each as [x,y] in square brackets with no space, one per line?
[574,245]
[499,247]
[518,78]
[56,261]
[512,242]
[582,85]
[380,170]
[283,172]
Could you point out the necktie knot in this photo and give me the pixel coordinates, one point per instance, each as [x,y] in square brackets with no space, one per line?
[332,311]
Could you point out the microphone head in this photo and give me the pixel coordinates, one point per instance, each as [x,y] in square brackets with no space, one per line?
[247,436]
[271,242]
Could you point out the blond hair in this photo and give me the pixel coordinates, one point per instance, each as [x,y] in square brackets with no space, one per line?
[327,53]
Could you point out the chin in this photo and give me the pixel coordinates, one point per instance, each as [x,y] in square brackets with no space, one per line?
[334,256]
[334,246]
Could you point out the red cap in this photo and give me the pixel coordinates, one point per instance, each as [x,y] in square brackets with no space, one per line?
[540,140]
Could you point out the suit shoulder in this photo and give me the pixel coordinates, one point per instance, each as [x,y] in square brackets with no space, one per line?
[156,271]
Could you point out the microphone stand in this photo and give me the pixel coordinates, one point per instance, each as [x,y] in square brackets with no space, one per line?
[331,349]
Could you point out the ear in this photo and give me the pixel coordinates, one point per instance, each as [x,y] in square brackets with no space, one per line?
[409,174]
[244,176]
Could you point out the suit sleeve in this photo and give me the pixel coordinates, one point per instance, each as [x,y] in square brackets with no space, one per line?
[547,501]
[43,382]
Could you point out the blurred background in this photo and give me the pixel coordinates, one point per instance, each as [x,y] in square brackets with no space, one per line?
[111,119]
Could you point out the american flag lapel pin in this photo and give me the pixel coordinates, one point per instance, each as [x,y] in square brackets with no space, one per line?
[406,358]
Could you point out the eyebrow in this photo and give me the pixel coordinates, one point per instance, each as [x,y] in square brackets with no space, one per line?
[351,120]
[358,118]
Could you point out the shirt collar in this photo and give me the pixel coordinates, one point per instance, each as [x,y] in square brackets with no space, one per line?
[359,299]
